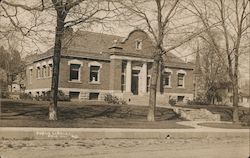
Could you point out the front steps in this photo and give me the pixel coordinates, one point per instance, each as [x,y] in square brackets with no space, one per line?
[196,114]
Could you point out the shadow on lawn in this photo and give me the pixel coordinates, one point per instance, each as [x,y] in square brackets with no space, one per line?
[38,111]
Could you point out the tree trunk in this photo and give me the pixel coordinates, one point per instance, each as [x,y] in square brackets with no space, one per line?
[235,101]
[56,66]
[153,89]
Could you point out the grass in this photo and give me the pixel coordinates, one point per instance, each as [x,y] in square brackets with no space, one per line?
[226,112]
[225,125]
[89,115]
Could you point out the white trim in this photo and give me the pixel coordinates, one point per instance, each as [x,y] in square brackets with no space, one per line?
[75,61]
[84,90]
[38,65]
[94,63]
[30,67]
[167,70]
[130,58]
[50,62]
[181,72]
[44,63]
[136,67]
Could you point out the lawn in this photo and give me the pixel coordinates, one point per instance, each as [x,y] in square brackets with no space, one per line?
[80,114]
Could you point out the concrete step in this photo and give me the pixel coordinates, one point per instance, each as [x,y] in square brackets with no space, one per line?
[197,114]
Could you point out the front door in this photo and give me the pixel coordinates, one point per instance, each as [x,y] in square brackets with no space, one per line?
[135,82]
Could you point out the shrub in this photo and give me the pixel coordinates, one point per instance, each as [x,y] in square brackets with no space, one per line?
[198,101]
[45,97]
[26,96]
[61,96]
[111,99]
[172,102]
[5,95]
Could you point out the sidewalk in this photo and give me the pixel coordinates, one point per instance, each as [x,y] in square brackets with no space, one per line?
[198,132]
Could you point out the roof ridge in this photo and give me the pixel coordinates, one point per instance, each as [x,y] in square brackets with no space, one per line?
[100,33]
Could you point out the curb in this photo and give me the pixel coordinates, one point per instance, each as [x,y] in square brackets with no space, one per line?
[118,133]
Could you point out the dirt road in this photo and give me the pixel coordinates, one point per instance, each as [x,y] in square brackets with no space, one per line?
[126,148]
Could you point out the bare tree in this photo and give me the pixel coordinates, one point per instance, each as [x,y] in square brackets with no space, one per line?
[166,22]
[212,70]
[68,13]
[232,16]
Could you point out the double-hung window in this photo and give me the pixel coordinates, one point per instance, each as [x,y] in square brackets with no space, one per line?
[167,79]
[50,69]
[75,72]
[94,74]
[180,80]
[30,75]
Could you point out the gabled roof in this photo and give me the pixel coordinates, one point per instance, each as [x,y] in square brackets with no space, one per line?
[92,42]
[94,45]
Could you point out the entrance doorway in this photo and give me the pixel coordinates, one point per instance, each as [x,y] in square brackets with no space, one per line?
[135,82]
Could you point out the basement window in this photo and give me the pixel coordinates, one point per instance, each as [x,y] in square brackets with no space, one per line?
[74,95]
[93,96]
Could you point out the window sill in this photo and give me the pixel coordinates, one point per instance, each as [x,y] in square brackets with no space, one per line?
[181,87]
[75,81]
[94,83]
[168,87]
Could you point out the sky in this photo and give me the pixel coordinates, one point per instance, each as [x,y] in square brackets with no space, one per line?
[43,38]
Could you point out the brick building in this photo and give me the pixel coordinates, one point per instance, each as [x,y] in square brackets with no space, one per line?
[94,64]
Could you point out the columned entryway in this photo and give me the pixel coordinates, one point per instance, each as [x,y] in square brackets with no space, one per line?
[128,76]
[136,78]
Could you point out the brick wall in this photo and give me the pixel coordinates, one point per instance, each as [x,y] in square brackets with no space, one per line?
[84,80]
[36,83]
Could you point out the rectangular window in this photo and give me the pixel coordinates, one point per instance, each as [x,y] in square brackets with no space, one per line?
[180,98]
[241,99]
[74,72]
[180,80]
[31,75]
[38,72]
[166,78]
[148,83]
[123,82]
[50,70]
[138,45]
[94,73]
[44,71]
[93,96]
[231,99]
[74,95]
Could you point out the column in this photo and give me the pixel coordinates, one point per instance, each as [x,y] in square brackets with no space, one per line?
[144,75]
[128,76]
